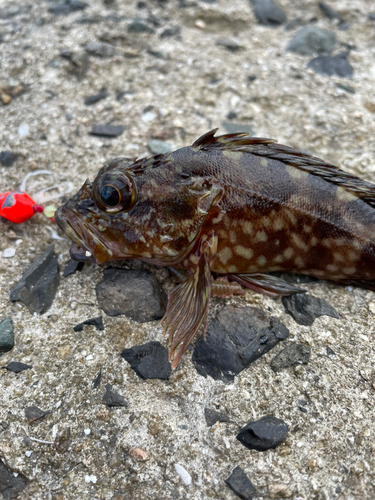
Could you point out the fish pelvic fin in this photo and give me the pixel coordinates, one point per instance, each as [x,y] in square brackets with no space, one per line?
[188,303]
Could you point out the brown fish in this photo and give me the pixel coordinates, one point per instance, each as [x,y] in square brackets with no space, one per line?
[235,206]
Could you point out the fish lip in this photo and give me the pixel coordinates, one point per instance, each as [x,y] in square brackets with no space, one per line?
[78,231]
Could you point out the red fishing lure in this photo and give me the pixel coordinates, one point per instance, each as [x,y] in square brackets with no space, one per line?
[18,206]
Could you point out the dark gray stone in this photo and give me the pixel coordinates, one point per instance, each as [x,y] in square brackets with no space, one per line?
[13,10]
[291,355]
[213,416]
[101,49]
[33,413]
[234,340]
[63,9]
[169,32]
[139,27]
[39,283]
[97,322]
[112,399]
[135,293]
[17,367]
[269,12]
[149,360]
[7,158]
[233,128]
[97,380]
[72,266]
[304,308]
[312,40]
[263,434]
[10,485]
[107,130]
[92,99]
[6,335]
[329,12]
[229,45]
[332,66]
[241,484]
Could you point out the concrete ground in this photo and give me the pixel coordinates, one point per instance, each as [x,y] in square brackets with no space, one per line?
[175,88]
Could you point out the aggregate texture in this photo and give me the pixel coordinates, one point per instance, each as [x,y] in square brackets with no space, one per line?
[170,71]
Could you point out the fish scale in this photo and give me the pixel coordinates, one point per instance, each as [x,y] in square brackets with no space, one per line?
[236,206]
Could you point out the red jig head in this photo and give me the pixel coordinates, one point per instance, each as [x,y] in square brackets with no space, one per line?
[17,206]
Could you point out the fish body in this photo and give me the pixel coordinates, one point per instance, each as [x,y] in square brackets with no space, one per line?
[235,206]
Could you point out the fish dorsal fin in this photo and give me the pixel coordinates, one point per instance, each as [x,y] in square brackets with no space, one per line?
[269,148]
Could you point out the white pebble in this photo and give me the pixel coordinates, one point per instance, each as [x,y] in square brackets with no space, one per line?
[89,357]
[9,252]
[18,242]
[28,453]
[87,431]
[183,473]
[58,404]
[23,130]
[148,117]
[371,306]
[90,479]
[88,254]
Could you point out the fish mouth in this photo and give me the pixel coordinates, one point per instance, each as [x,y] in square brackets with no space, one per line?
[87,245]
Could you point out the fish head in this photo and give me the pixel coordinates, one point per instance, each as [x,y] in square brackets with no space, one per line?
[143,209]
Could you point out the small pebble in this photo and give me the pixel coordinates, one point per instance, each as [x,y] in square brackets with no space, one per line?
[139,454]
[87,431]
[28,453]
[90,479]
[148,117]
[23,130]
[9,252]
[183,473]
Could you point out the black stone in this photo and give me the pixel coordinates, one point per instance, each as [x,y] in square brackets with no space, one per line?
[149,360]
[304,308]
[97,322]
[139,27]
[34,413]
[263,434]
[112,399]
[332,66]
[72,266]
[291,355]
[92,99]
[241,484]
[107,130]
[97,380]
[10,485]
[347,88]
[17,367]
[136,293]
[6,335]
[38,284]
[213,416]
[269,12]
[7,158]
[328,11]
[170,32]
[234,340]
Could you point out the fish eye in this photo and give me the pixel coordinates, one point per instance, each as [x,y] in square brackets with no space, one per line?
[115,192]
[110,195]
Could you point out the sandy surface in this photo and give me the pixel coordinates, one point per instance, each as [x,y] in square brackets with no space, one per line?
[191,86]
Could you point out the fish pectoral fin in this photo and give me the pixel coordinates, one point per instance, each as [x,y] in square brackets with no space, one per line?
[188,303]
[267,284]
